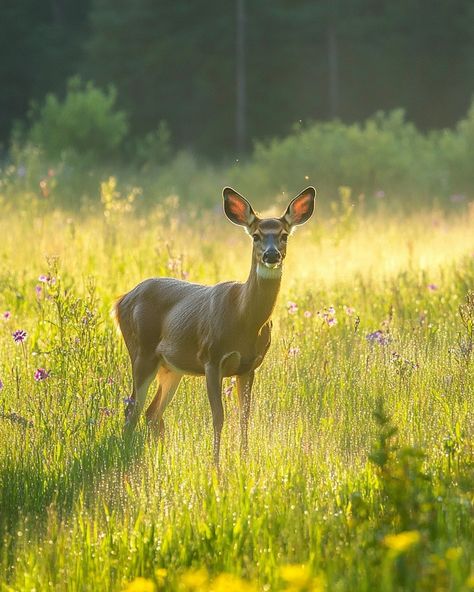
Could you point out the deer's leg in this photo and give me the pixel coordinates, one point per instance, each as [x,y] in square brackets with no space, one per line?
[214,392]
[244,391]
[145,367]
[168,385]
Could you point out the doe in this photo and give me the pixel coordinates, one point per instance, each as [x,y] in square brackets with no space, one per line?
[173,327]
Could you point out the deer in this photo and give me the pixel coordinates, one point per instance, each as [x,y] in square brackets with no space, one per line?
[173,328]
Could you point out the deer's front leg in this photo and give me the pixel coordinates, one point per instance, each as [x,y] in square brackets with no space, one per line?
[244,391]
[214,392]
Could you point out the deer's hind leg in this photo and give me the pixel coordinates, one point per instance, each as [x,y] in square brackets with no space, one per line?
[145,366]
[168,385]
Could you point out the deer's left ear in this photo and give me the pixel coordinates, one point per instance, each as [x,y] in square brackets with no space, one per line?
[237,208]
[301,208]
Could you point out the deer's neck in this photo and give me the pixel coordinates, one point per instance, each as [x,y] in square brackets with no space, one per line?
[259,295]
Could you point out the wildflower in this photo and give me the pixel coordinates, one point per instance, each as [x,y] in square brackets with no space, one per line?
[378,337]
[380,194]
[194,579]
[299,577]
[129,401]
[1,384]
[453,553]
[47,279]
[38,290]
[307,314]
[331,310]
[19,336]
[331,321]
[230,388]
[6,315]
[348,310]
[432,287]
[40,374]
[140,585]
[294,351]
[292,307]
[402,541]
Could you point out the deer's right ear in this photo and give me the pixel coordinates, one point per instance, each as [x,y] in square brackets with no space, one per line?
[237,208]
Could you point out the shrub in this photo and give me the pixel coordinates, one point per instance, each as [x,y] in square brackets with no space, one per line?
[84,125]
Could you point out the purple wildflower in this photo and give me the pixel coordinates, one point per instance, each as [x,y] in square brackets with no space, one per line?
[47,279]
[378,337]
[432,287]
[348,310]
[19,336]
[129,401]
[40,374]
[307,314]
[331,321]
[331,310]
[292,307]
[6,315]
[38,290]
[294,351]
[1,384]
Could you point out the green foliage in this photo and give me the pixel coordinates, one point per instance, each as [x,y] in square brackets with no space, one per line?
[84,126]
[385,156]
[154,149]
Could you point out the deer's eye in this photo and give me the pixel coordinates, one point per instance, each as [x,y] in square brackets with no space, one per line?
[256,238]
[284,238]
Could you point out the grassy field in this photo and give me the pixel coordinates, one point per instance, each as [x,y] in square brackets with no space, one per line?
[360,474]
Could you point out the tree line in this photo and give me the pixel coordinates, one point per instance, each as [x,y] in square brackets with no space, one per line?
[223,74]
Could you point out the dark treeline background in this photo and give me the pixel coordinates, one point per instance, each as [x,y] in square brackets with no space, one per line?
[299,60]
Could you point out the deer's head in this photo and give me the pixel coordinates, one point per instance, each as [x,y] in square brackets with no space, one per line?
[269,235]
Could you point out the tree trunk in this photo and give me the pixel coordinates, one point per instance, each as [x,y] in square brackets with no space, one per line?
[240,113]
[333,68]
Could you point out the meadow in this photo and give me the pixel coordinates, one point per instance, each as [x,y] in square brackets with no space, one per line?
[360,472]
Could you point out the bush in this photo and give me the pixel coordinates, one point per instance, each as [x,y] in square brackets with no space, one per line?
[84,125]
[385,153]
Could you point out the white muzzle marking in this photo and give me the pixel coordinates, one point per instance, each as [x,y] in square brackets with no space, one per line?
[267,272]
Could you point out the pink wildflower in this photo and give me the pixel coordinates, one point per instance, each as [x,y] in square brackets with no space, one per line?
[292,307]
[307,314]
[348,310]
[40,374]
[6,315]
[294,351]
[432,287]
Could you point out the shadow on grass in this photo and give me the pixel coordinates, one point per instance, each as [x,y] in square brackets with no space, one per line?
[29,489]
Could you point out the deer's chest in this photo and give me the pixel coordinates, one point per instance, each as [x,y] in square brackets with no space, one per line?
[243,355]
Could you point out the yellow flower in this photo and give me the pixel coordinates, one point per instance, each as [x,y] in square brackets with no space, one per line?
[229,583]
[194,579]
[453,553]
[298,578]
[297,575]
[402,541]
[140,585]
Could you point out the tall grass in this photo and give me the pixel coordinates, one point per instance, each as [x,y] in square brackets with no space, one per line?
[359,475]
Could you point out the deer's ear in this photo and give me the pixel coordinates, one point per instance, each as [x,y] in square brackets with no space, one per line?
[237,208]
[301,208]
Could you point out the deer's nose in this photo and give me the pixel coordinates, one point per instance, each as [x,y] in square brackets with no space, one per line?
[271,256]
